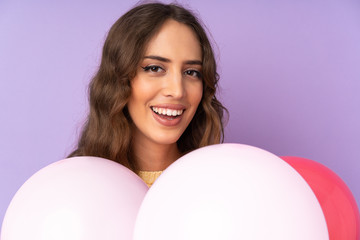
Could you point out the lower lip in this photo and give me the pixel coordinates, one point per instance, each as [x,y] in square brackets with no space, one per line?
[167,122]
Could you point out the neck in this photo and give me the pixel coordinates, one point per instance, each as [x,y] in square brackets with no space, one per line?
[150,156]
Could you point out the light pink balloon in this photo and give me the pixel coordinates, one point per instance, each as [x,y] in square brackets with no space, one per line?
[230,191]
[82,198]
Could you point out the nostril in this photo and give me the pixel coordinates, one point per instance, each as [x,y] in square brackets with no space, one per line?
[174,85]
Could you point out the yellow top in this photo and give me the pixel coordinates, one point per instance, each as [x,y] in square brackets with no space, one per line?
[149,177]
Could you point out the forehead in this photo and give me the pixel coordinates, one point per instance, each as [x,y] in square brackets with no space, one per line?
[175,40]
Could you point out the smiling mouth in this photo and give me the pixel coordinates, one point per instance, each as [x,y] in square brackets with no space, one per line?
[167,112]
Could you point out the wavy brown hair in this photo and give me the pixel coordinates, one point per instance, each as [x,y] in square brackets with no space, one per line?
[107,132]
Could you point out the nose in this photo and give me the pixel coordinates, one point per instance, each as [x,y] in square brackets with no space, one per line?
[174,85]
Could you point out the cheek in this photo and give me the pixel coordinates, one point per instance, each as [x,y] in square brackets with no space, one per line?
[136,99]
[196,94]
[144,88]
[140,91]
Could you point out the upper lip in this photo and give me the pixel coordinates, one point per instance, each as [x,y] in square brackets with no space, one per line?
[170,106]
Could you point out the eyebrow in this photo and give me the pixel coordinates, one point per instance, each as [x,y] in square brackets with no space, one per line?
[162,59]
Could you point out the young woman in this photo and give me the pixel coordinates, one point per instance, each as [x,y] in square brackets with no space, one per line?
[153,97]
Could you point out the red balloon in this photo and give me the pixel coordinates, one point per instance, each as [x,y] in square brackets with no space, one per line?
[336,200]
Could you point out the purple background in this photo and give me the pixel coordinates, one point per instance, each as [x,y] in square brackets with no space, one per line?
[290,77]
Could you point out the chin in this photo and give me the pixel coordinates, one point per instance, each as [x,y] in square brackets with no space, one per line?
[166,140]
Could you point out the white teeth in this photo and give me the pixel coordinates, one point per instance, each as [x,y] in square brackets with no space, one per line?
[167,111]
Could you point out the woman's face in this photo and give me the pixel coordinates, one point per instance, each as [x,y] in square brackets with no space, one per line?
[168,85]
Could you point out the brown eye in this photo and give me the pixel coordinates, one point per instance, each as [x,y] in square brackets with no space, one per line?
[153,68]
[193,73]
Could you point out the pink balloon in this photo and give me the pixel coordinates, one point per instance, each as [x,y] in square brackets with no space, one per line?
[82,198]
[336,200]
[230,191]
